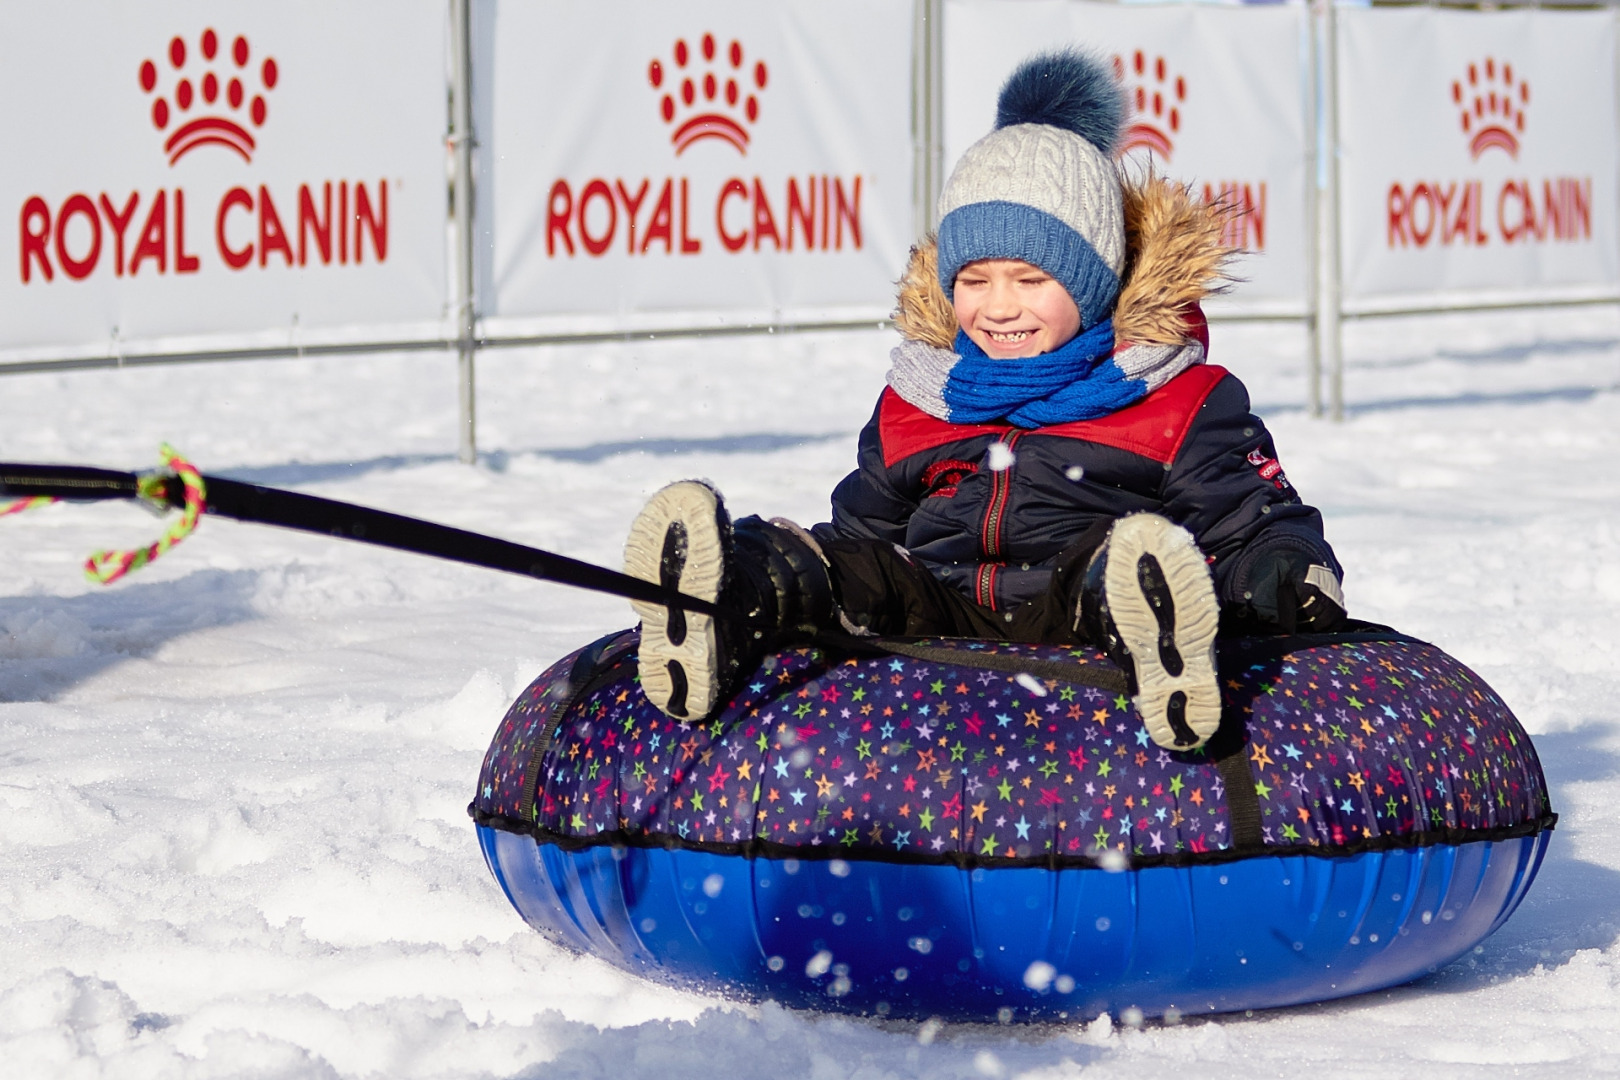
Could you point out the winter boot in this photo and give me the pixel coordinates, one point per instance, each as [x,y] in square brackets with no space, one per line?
[773,574]
[1148,601]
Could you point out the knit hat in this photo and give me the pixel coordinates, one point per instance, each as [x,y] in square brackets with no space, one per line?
[1042,187]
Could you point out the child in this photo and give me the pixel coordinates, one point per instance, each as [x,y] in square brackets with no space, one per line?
[1052,460]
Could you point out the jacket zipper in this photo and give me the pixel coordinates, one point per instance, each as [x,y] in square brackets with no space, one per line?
[985,587]
[990,538]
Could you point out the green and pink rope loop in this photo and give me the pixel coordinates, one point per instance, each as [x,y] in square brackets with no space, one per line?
[17,506]
[107,567]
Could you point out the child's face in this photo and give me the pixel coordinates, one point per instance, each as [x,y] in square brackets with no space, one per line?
[1010,309]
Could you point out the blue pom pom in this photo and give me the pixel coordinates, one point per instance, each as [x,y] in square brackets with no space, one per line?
[1065,89]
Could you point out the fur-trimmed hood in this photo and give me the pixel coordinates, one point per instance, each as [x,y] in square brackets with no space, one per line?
[1174,258]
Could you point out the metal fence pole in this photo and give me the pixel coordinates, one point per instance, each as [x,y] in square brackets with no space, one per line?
[1329,344]
[1313,171]
[461,140]
[927,112]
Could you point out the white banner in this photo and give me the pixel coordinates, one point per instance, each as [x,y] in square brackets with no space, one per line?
[1218,98]
[1478,156]
[706,163]
[212,174]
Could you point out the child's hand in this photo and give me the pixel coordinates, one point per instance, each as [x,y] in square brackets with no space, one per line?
[1296,595]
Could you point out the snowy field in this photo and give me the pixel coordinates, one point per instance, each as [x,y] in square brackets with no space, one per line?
[233,839]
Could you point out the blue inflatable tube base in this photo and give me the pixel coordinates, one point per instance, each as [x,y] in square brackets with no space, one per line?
[1019,943]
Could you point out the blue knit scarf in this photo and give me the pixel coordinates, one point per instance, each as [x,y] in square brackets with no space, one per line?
[1077,381]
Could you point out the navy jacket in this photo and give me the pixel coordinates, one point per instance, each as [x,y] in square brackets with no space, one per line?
[1191,451]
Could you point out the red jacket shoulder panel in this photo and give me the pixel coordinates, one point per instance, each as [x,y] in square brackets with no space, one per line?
[906,430]
[1154,427]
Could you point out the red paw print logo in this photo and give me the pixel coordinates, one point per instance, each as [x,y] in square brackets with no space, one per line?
[716,97]
[1156,95]
[227,85]
[1492,107]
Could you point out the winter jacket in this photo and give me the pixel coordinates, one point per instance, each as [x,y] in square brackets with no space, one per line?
[988,507]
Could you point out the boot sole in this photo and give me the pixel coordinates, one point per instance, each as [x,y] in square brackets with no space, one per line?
[1162,601]
[678,540]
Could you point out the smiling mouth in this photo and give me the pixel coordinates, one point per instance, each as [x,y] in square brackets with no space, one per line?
[1012,337]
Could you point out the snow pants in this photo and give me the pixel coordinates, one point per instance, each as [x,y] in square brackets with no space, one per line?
[881,588]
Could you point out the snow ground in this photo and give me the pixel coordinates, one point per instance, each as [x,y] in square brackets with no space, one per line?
[232,789]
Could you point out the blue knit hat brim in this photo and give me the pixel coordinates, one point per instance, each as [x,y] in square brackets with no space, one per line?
[1009,230]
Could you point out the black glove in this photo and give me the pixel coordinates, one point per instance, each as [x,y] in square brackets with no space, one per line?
[1289,591]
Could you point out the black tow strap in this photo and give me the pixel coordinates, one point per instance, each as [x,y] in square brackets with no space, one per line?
[1242,802]
[310,513]
[1103,678]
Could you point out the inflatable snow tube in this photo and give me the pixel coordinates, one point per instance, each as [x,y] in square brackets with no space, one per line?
[983,831]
